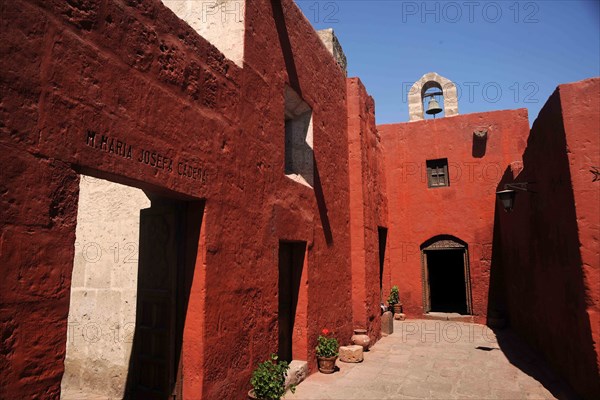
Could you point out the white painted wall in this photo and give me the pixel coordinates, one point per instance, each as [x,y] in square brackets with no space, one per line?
[103,289]
[221,22]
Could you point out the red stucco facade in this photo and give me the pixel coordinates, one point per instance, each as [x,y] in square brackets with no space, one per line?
[135,73]
[463,210]
[549,263]
[124,90]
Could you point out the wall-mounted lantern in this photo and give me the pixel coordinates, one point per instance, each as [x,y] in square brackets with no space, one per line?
[507,196]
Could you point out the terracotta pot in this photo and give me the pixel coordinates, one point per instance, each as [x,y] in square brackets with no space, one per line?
[251,395]
[398,308]
[361,338]
[326,364]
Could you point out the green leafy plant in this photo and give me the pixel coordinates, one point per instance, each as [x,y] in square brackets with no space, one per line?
[326,346]
[394,297]
[268,379]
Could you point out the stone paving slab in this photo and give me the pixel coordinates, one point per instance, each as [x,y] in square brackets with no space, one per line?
[428,359]
[74,394]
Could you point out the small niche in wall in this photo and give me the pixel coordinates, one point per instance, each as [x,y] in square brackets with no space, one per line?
[480,137]
[298,139]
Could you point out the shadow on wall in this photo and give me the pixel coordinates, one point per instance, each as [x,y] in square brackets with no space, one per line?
[536,276]
[169,235]
[322,205]
[518,353]
[286,46]
[497,304]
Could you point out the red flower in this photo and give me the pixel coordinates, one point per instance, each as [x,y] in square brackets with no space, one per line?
[325,331]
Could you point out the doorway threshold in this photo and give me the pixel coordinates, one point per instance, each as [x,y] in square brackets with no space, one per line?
[442,316]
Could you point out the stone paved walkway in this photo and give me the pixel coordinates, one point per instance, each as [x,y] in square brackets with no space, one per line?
[425,359]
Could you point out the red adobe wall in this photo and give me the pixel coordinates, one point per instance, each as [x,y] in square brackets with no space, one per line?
[464,210]
[549,242]
[117,68]
[133,71]
[368,208]
[241,317]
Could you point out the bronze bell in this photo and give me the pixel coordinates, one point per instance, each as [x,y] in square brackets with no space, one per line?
[433,107]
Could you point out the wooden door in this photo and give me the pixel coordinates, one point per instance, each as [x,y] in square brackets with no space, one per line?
[153,359]
[467,282]
[426,287]
[427,261]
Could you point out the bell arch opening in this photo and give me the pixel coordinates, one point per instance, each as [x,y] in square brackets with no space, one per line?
[432,97]
[432,81]
[446,275]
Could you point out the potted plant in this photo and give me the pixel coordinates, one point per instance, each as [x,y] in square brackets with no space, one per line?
[327,352]
[268,380]
[394,300]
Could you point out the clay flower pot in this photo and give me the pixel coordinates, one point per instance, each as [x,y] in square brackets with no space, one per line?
[398,308]
[361,338]
[326,364]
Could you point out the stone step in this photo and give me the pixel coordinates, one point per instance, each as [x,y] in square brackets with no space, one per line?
[297,373]
[441,316]
[351,354]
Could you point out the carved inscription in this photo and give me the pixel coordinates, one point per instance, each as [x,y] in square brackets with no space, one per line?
[150,158]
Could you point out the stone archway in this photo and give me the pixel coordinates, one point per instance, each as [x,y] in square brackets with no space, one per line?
[446,275]
[428,81]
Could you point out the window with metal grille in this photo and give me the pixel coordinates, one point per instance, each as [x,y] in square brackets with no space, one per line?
[437,173]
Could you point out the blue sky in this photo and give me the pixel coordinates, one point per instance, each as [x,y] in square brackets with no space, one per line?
[501,54]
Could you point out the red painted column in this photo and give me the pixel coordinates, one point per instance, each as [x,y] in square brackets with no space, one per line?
[367,207]
[357,207]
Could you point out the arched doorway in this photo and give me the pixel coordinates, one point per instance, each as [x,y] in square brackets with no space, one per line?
[446,276]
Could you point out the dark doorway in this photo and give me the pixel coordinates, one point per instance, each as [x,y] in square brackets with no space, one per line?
[169,233]
[291,261]
[382,238]
[447,281]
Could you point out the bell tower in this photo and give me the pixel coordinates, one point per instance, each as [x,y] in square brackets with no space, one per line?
[432,87]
